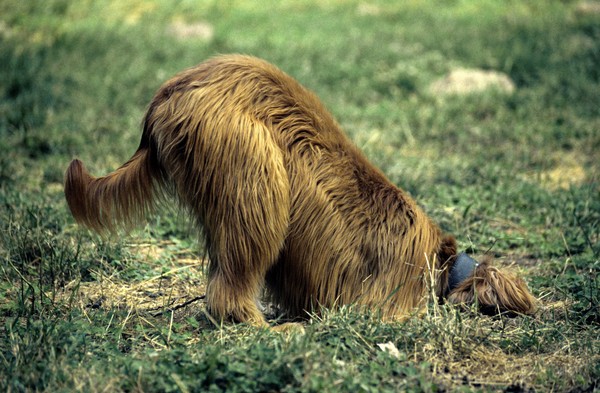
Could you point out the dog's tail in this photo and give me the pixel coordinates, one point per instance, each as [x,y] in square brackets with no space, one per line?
[119,200]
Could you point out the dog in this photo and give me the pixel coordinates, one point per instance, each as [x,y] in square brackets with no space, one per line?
[284,201]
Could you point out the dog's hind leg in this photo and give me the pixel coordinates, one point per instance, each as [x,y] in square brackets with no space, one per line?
[247,221]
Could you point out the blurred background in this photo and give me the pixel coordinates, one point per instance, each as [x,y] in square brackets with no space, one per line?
[462,103]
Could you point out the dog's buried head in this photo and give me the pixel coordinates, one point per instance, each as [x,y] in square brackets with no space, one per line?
[285,201]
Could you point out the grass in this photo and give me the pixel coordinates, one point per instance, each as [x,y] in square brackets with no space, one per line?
[513,175]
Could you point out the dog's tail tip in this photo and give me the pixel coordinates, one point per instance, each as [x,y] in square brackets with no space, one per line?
[77,179]
[119,200]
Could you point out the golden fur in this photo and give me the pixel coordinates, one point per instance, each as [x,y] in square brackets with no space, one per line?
[284,198]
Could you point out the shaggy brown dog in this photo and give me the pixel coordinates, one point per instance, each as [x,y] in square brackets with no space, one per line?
[285,201]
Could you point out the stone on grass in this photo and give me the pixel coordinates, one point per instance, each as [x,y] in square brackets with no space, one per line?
[465,81]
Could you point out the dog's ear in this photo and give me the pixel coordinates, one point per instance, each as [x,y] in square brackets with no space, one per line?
[494,291]
[448,249]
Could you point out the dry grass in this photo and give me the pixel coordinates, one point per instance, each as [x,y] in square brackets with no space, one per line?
[174,284]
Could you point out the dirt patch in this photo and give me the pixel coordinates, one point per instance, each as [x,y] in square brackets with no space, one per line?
[173,290]
[367,9]
[568,171]
[176,282]
[199,30]
[497,370]
[563,176]
[588,8]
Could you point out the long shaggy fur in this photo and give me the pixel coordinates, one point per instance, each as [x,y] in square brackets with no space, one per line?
[284,198]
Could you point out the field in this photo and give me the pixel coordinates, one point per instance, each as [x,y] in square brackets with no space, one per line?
[514,175]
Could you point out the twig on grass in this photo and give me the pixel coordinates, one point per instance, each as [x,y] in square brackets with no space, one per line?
[177,307]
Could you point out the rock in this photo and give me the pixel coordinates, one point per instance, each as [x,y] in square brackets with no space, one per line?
[465,81]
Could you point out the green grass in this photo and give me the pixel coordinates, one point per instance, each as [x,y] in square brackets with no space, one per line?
[513,175]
